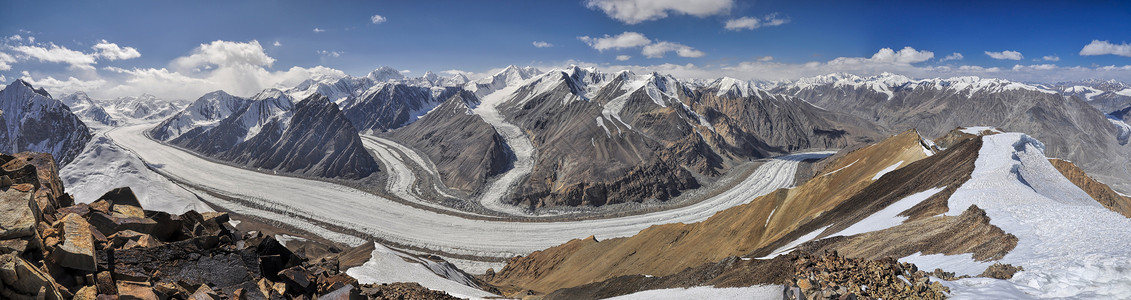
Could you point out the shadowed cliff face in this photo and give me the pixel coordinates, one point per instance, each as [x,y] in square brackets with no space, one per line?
[33,121]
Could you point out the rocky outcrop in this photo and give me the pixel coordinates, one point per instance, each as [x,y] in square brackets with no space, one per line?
[830,276]
[33,121]
[402,290]
[1099,191]
[22,280]
[465,158]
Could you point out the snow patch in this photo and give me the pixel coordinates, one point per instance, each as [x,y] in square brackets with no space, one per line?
[789,247]
[887,170]
[889,216]
[977,130]
[389,266]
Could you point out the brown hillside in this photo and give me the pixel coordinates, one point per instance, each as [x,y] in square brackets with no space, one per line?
[667,249]
[1099,191]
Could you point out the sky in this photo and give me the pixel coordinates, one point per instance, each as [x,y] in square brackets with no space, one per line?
[183,49]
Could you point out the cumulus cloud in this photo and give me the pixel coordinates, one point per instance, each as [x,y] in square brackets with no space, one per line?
[223,53]
[952,56]
[541,44]
[624,40]
[659,49]
[904,56]
[57,54]
[652,49]
[636,11]
[1050,58]
[1006,55]
[319,30]
[766,58]
[240,68]
[112,51]
[15,37]
[1098,47]
[377,19]
[277,44]
[751,23]
[624,57]
[331,54]
[6,61]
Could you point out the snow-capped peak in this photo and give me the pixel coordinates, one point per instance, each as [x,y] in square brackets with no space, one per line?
[270,93]
[727,85]
[384,74]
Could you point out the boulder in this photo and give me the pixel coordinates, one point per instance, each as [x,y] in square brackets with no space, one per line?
[348,292]
[128,239]
[19,216]
[76,249]
[298,280]
[105,283]
[86,293]
[110,224]
[167,225]
[81,209]
[22,280]
[127,211]
[46,176]
[204,293]
[131,290]
[168,290]
[122,195]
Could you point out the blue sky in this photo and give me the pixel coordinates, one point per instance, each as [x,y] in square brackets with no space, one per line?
[686,38]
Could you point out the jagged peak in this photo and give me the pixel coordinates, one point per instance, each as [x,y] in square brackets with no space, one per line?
[24,84]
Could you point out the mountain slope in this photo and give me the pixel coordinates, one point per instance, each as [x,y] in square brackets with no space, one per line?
[33,121]
[316,141]
[205,113]
[607,138]
[86,109]
[465,157]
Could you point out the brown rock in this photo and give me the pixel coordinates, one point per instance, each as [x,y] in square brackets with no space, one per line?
[105,283]
[81,209]
[127,211]
[167,225]
[171,291]
[19,215]
[13,245]
[343,293]
[1000,271]
[109,224]
[127,239]
[122,195]
[131,290]
[204,293]
[23,280]
[100,206]
[298,280]
[217,217]
[86,293]
[76,249]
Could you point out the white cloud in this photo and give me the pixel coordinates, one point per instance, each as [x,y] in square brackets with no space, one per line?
[330,53]
[636,11]
[15,37]
[277,44]
[377,19]
[6,61]
[751,23]
[1098,47]
[652,49]
[1042,67]
[627,39]
[1050,58]
[57,54]
[223,53]
[56,86]
[111,51]
[319,30]
[766,58]
[1008,55]
[624,57]
[952,56]
[659,49]
[541,44]
[905,56]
